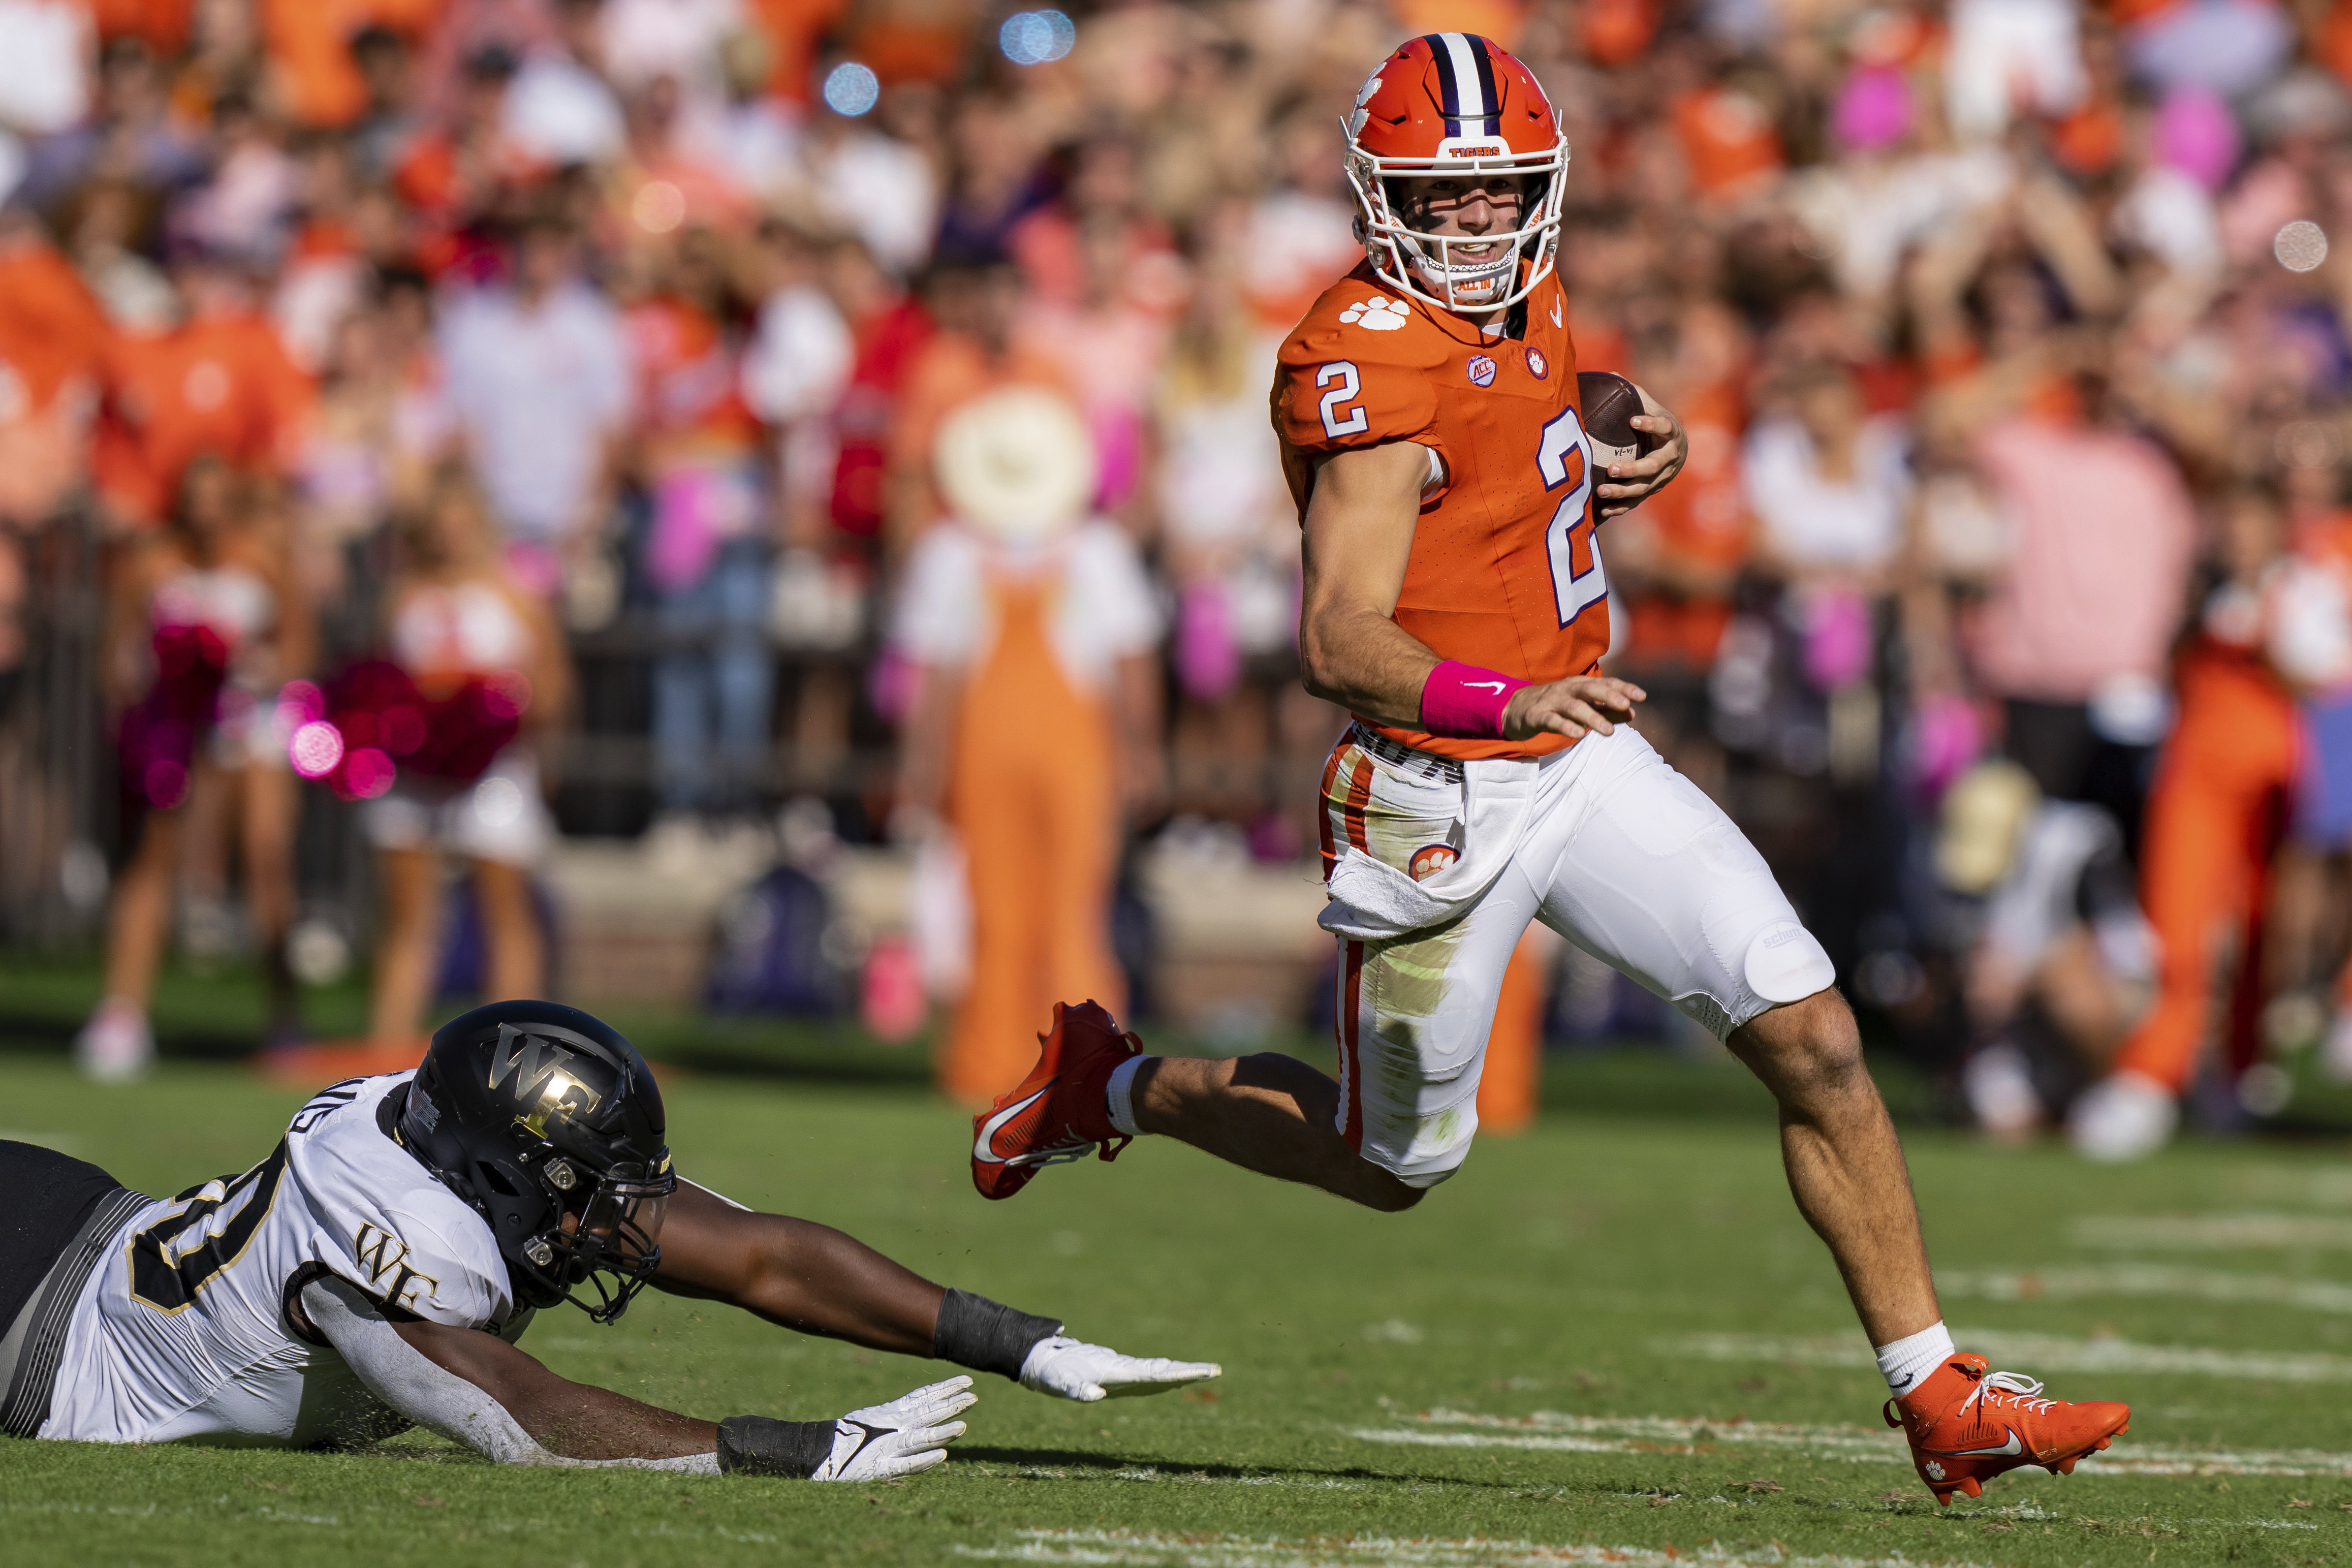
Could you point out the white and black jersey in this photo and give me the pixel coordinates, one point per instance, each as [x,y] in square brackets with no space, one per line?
[181,1330]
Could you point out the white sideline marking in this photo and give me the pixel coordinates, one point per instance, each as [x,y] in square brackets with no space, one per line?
[1150,1549]
[1548,1430]
[2149,1279]
[2215,1232]
[2319,1187]
[2038,1350]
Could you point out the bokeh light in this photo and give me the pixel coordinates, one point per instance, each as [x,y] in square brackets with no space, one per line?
[1035,38]
[851,88]
[368,773]
[2301,245]
[315,749]
[659,206]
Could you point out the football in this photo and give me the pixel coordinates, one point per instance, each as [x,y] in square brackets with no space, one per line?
[1609,402]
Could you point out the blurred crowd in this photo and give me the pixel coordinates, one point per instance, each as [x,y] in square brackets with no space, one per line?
[460,392]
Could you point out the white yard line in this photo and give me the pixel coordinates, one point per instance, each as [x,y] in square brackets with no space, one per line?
[1552,1432]
[2149,1279]
[1151,1549]
[2320,1187]
[2215,1232]
[2032,1353]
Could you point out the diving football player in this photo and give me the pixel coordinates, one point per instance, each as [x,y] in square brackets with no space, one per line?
[375,1270]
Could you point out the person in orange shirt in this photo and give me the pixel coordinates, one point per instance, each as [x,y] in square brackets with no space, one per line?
[2217,815]
[219,382]
[54,339]
[308,44]
[1456,599]
[973,301]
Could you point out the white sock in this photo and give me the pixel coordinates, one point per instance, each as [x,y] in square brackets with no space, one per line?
[1909,1360]
[1120,1095]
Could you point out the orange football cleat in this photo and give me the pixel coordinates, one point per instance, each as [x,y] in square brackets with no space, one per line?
[1967,1424]
[1059,1112]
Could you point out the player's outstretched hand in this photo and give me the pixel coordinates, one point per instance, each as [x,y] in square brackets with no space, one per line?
[1627,485]
[910,1434]
[1076,1369]
[1572,707]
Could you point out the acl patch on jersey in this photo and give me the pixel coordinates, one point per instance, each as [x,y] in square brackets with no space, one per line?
[1505,571]
[183,1331]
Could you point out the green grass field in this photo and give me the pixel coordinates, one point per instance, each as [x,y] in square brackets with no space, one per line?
[1609,1341]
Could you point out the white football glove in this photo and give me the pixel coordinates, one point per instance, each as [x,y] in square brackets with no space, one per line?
[1076,1369]
[910,1434]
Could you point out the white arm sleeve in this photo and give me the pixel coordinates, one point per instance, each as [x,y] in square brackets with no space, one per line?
[403,1378]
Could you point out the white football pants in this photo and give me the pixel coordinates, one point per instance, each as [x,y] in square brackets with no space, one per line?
[1621,854]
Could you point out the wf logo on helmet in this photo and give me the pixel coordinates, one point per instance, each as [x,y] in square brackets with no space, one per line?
[536,1065]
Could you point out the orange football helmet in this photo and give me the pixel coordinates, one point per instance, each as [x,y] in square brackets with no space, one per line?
[1446,105]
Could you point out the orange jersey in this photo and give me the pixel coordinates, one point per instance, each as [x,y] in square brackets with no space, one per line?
[1505,572]
[221,385]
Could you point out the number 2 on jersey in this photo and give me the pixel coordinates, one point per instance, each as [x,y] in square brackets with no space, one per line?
[1570,533]
[1349,383]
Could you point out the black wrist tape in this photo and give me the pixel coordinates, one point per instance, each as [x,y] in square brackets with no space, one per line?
[987,1336]
[756,1445]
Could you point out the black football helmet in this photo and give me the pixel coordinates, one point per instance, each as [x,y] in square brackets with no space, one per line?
[548,1122]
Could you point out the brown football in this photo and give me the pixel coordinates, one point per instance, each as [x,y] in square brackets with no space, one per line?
[1610,403]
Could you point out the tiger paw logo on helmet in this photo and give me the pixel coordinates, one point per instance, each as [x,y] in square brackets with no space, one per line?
[1380,314]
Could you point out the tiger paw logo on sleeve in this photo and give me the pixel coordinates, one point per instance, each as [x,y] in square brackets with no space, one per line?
[1380,314]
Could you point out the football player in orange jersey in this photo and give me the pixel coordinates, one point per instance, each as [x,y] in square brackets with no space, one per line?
[1455,600]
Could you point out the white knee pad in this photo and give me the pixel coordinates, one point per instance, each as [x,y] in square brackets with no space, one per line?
[1785,963]
[1781,964]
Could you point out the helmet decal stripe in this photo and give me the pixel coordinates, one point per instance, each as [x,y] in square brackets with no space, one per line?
[1483,54]
[1449,84]
[1469,79]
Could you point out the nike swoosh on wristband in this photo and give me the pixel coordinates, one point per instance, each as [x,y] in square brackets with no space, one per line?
[1482,686]
[981,1149]
[2012,1446]
[864,1443]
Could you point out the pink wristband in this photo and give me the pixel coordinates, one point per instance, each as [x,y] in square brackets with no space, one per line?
[1466,702]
